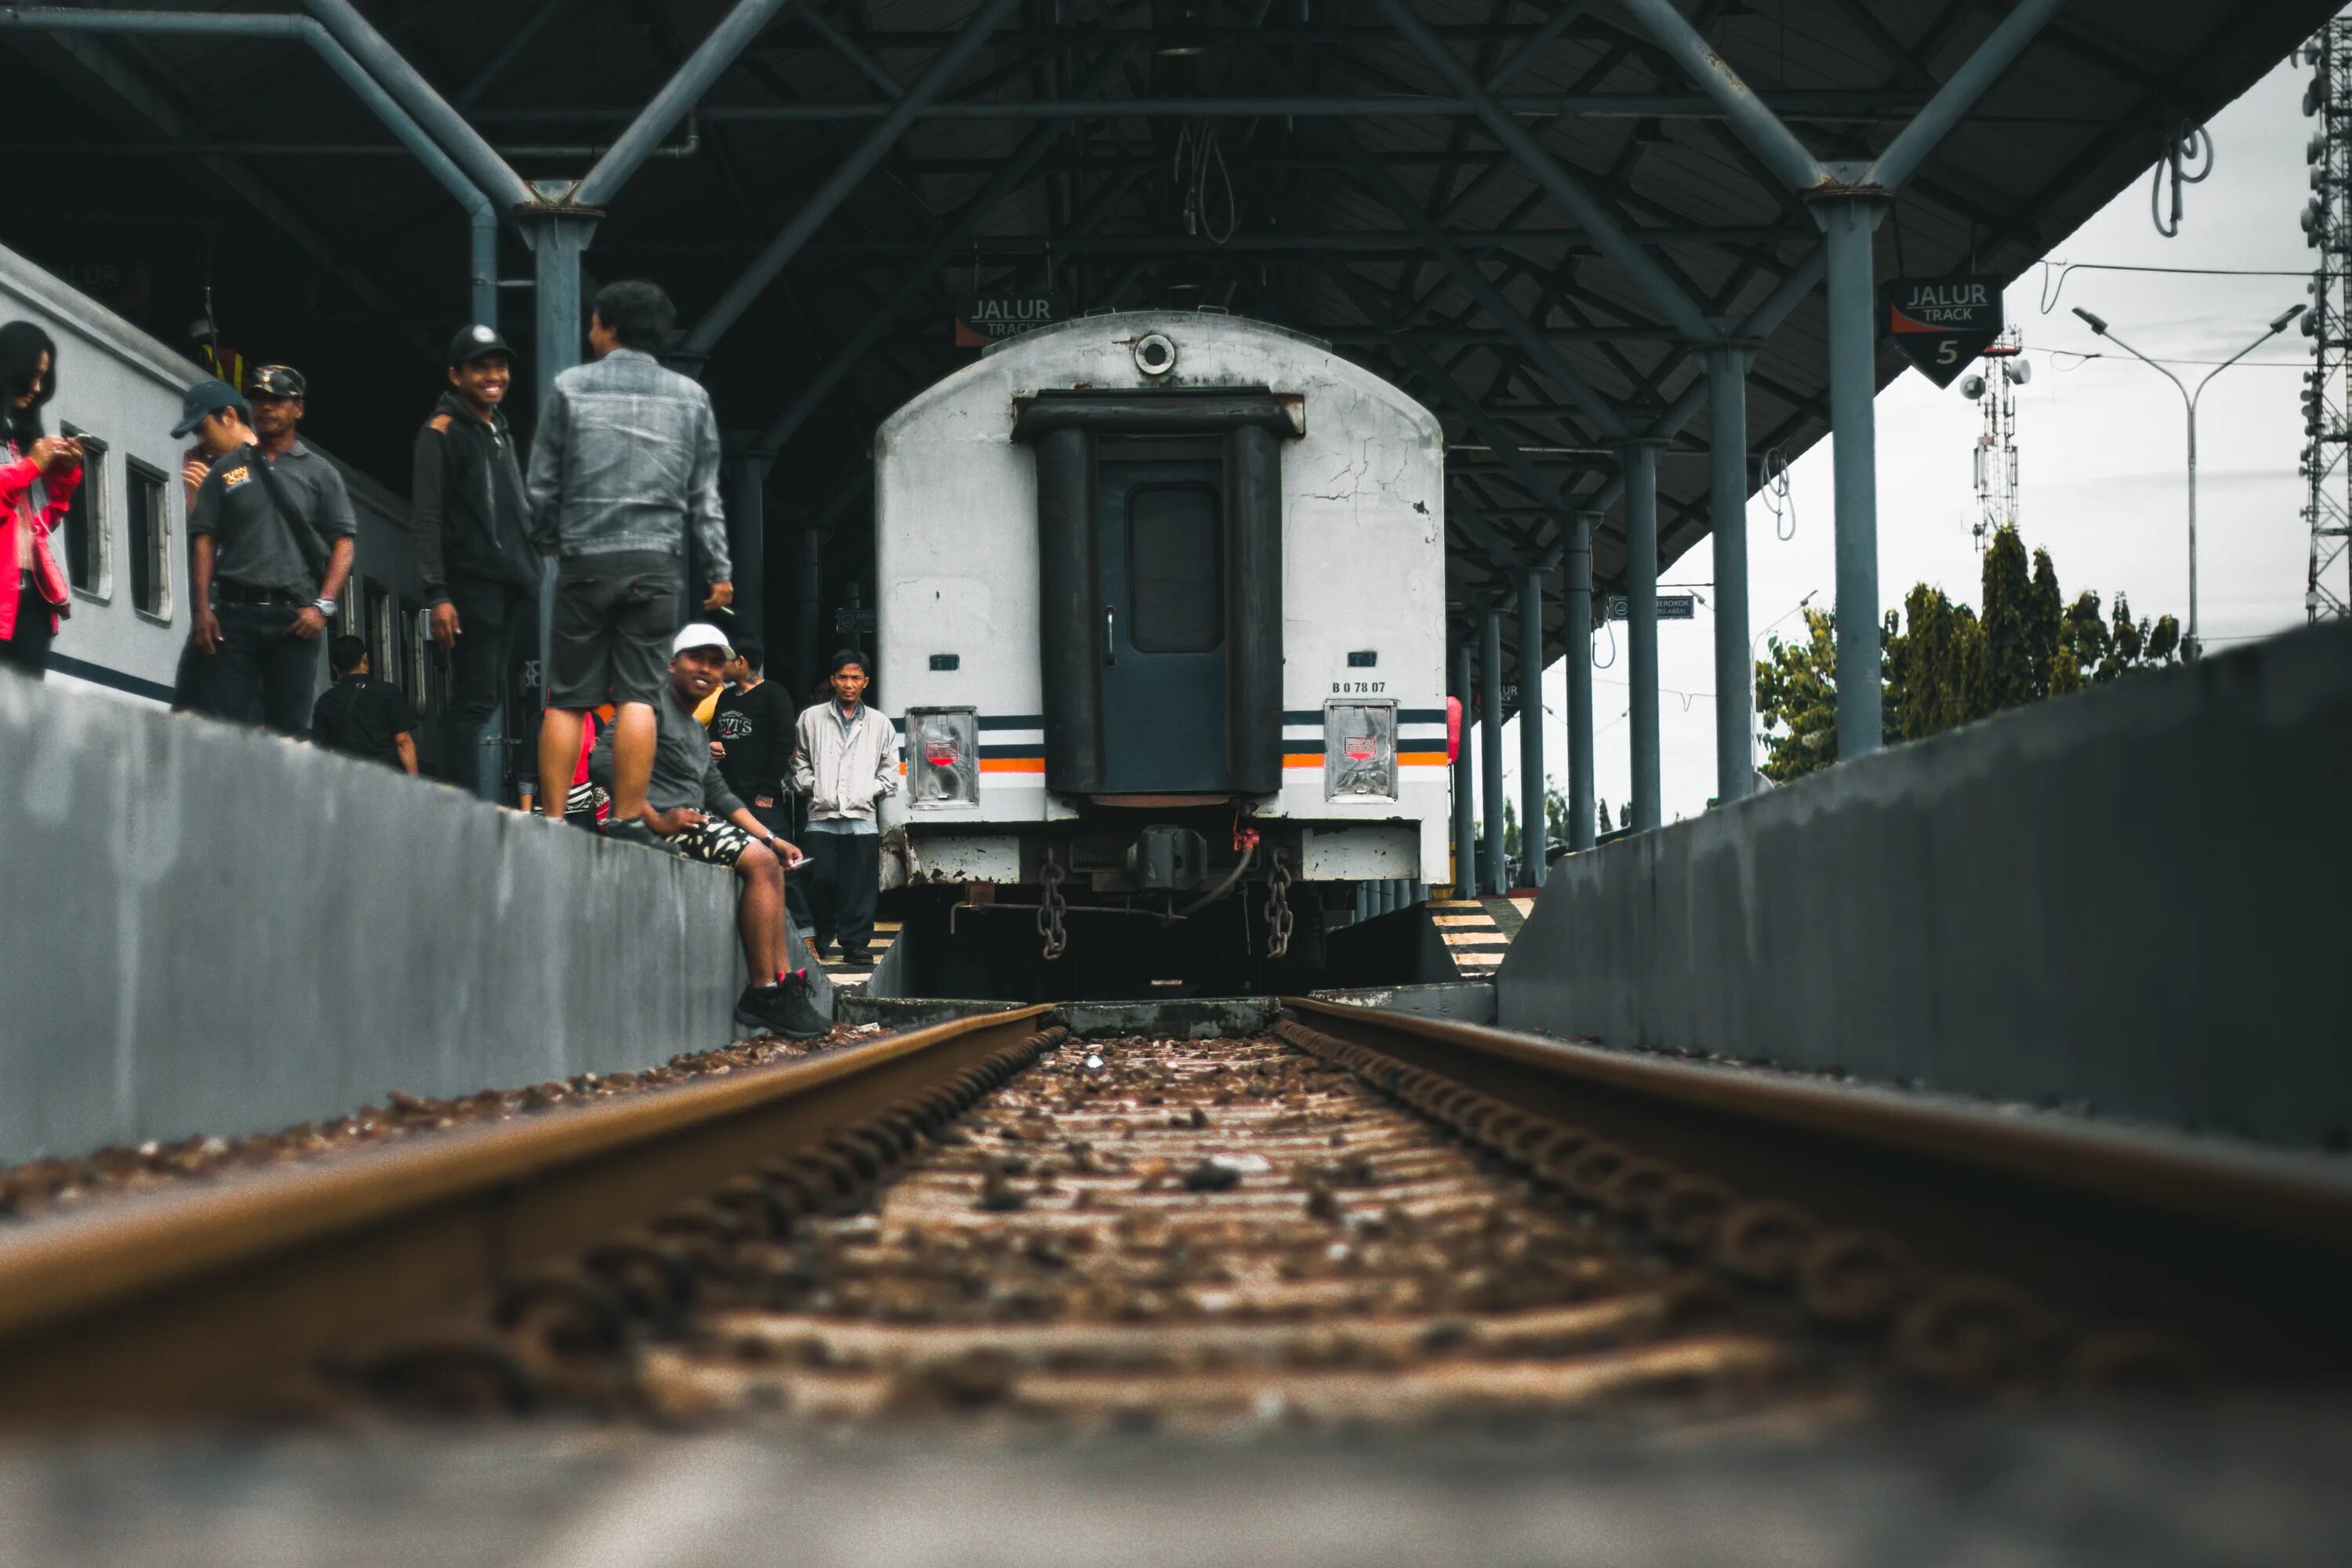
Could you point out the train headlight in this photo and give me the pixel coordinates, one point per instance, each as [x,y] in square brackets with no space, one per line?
[942,757]
[1359,758]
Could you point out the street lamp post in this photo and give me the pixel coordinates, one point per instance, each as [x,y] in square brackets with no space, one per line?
[2189,644]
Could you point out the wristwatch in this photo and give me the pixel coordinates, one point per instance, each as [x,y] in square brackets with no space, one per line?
[324,607]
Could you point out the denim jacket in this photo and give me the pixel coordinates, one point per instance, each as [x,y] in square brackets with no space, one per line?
[626,458]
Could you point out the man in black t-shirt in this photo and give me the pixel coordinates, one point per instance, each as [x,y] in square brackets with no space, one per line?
[752,735]
[362,716]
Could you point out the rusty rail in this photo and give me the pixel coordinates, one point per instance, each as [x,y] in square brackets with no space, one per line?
[2119,1242]
[197,1300]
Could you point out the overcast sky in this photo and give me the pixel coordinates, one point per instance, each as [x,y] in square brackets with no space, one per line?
[2102,450]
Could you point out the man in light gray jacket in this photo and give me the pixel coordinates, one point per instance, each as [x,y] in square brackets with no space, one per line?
[625,462]
[848,760]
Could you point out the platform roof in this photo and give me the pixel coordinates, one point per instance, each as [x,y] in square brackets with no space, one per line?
[246,167]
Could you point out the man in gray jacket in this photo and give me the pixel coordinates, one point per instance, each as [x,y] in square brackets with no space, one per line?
[848,759]
[624,462]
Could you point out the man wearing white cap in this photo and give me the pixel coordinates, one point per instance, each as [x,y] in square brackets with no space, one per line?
[691,810]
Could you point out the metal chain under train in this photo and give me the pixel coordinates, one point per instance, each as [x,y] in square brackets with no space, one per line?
[1278,918]
[1051,907]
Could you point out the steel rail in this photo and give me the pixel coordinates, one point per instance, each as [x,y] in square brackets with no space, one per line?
[196,1299]
[2247,1253]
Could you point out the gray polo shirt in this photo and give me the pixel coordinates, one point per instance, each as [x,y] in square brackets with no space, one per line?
[251,545]
[684,773]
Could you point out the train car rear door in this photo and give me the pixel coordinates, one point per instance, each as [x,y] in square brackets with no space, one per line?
[1162,548]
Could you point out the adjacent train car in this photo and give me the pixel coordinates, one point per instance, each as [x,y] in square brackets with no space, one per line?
[124,545]
[1162,619]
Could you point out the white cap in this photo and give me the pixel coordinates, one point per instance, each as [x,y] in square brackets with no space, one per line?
[701,634]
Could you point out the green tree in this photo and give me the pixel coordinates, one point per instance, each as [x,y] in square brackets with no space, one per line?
[1947,665]
[2009,656]
[1796,694]
[1510,833]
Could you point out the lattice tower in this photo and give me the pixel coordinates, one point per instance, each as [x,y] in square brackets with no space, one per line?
[2328,384]
[1995,390]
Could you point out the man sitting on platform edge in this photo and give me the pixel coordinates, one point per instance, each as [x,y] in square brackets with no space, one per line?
[690,809]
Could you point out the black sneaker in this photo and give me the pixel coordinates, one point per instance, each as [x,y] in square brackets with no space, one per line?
[784,1008]
[634,831]
[752,1009]
[860,959]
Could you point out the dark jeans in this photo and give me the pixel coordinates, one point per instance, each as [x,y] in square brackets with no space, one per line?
[491,616]
[778,820]
[259,675]
[845,874]
[28,648]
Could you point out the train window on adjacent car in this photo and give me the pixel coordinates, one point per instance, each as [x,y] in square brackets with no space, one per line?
[147,492]
[1175,568]
[88,546]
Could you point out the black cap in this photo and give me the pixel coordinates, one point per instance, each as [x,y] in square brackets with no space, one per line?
[276,381]
[476,341]
[208,397]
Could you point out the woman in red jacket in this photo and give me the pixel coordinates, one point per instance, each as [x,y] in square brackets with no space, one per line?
[32,586]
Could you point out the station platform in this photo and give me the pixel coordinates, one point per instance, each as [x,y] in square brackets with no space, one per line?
[851,977]
[1478,932]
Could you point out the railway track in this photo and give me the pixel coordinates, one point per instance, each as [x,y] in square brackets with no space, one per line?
[1354,1219]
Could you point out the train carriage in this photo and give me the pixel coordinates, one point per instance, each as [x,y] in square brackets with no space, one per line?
[1162,620]
[125,543]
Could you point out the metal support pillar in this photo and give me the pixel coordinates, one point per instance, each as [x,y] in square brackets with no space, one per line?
[1849,222]
[1493,873]
[1640,466]
[557,234]
[770,264]
[734,32]
[1735,672]
[1582,806]
[1465,842]
[1848,200]
[747,540]
[1534,845]
[481,214]
[808,600]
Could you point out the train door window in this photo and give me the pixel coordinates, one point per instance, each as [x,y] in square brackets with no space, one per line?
[383,632]
[89,542]
[1175,565]
[415,654]
[146,494]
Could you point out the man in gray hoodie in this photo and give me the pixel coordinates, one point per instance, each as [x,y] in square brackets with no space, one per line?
[625,462]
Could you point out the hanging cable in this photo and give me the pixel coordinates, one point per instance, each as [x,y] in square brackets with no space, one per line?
[1608,629]
[2054,275]
[1196,149]
[1778,499]
[2184,146]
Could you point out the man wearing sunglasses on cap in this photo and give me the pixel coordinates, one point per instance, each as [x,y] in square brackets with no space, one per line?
[273,529]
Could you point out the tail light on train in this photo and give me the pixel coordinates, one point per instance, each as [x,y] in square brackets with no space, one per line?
[1454,729]
[1359,759]
[942,757]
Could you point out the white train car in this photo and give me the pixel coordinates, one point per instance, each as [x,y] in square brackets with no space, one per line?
[124,546]
[1162,617]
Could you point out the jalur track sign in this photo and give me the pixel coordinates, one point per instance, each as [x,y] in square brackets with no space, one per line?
[1941,324]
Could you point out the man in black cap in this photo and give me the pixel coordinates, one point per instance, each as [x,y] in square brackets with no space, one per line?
[472,523]
[360,716]
[273,529]
[217,416]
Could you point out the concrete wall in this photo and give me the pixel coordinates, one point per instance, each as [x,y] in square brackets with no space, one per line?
[206,929]
[2139,897]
